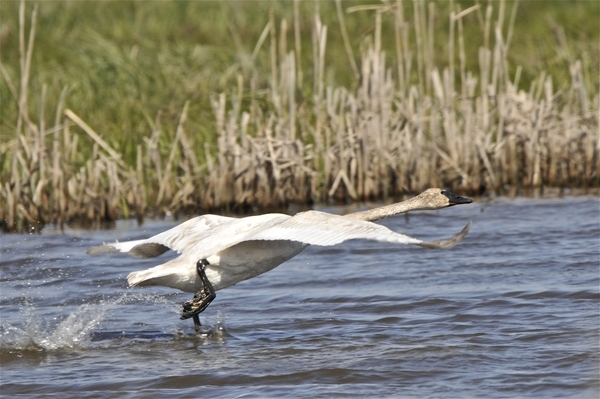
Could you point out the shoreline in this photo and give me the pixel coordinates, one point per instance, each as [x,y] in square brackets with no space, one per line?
[548,194]
[281,131]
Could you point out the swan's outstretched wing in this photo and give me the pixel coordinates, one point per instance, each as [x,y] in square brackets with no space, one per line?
[324,229]
[449,242]
[210,234]
[179,238]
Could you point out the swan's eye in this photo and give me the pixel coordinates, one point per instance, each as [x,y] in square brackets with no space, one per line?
[443,192]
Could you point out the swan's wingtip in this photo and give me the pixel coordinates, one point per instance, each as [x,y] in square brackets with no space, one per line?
[450,242]
[102,249]
[467,227]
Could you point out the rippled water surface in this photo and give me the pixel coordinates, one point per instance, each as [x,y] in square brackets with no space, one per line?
[512,311]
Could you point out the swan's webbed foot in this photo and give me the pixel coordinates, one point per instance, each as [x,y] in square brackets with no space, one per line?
[202,298]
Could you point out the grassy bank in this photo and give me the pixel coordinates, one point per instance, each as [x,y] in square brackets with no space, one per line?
[119,109]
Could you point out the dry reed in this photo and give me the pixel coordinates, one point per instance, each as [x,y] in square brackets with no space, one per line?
[393,134]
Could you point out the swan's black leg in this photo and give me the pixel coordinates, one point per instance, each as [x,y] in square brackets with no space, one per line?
[197,323]
[202,298]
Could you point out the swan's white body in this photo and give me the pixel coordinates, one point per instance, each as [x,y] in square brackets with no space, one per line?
[239,249]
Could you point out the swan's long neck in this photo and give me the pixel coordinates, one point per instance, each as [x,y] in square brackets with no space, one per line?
[371,215]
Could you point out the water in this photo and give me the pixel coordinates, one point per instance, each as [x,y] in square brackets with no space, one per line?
[513,311]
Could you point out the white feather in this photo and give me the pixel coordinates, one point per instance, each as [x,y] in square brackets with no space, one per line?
[239,249]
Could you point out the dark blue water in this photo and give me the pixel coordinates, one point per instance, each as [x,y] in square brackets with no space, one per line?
[512,311]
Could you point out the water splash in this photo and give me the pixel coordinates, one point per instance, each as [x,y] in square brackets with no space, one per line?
[73,332]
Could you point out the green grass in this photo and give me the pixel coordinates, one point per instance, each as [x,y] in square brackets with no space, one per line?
[123,62]
[128,68]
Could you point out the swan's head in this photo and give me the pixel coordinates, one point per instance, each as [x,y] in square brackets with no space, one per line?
[437,198]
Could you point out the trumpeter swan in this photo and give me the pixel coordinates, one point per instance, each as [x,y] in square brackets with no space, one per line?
[217,251]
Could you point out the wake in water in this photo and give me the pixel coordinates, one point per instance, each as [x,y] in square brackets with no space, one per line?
[79,329]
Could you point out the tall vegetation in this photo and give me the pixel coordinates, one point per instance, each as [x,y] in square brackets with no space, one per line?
[409,113]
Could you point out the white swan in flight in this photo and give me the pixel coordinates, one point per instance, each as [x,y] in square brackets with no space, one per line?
[217,251]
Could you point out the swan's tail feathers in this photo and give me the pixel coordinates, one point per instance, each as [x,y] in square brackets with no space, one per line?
[143,278]
[137,249]
[176,273]
[448,243]
[136,279]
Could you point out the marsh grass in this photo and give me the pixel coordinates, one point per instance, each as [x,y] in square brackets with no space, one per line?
[282,131]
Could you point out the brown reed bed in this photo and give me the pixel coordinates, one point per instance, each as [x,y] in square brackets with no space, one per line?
[408,124]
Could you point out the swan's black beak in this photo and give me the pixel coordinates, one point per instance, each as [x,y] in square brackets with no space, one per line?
[456,199]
